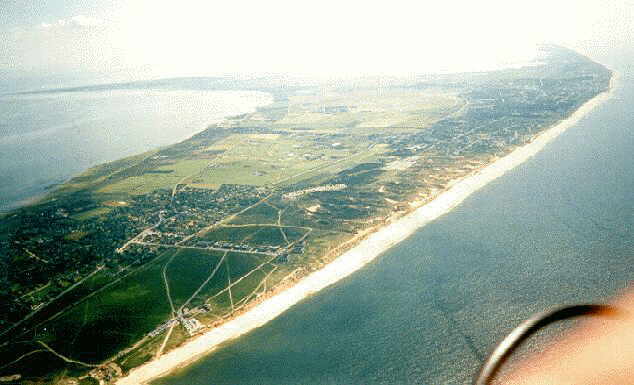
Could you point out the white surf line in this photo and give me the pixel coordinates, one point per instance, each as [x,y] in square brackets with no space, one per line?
[355,258]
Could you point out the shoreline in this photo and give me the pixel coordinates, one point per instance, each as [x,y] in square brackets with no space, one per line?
[353,259]
[52,186]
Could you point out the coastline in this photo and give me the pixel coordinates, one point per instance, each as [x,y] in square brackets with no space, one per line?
[50,187]
[359,255]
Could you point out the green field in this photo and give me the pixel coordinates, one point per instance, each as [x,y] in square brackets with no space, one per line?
[116,317]
[369,108]
[164,176]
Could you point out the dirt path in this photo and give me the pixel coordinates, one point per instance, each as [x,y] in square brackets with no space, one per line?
[167,286]
[21,357]
[159,352]
[66,358]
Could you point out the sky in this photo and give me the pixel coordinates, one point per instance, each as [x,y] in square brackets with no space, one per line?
[129,40]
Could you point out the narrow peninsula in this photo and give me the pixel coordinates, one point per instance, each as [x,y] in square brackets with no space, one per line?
[141,265]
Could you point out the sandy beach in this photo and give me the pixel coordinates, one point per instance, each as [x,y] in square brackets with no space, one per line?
[357,257]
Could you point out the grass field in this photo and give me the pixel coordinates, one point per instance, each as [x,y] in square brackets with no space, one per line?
[379,109]
[188,271]
[114,318]
[255,235]
[262,214]
[165,176]
[258,160]
[92,213]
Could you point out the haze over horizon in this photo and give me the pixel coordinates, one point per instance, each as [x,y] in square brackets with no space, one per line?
[105,41]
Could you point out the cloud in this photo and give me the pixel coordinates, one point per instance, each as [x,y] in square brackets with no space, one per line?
[85,21]
[75,21]
[349,37]
[79,43]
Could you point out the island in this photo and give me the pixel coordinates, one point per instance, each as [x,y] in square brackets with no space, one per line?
[133,259]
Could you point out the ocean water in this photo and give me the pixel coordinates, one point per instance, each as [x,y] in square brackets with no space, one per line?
[47,138]
[555,230]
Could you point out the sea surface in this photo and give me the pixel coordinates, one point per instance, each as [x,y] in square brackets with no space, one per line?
[46,138]
[555,230]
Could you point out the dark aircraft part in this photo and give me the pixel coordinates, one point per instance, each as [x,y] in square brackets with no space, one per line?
[527,328]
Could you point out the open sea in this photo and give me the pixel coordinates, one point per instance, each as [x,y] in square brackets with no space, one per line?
[46,138]
[555,230]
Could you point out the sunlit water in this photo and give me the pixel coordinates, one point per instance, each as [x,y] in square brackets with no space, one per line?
[47,138]
[557,229]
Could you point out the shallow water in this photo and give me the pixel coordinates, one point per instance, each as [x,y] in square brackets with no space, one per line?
[557,229]
[47,138]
